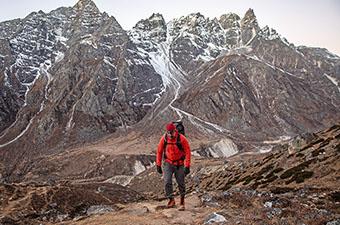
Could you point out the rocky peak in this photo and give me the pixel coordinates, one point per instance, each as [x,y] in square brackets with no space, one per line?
[231,23]
[190,21]
[229,20]
[249,27]
[150,29]
[154,27]
[86,5]
[249,18]
[197,24]
[156,20]
[195,19]
[87,19]
[268,33]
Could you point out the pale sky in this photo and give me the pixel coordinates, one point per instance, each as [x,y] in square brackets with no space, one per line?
[314,23]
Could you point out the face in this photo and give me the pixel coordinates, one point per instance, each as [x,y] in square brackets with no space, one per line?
[171,133]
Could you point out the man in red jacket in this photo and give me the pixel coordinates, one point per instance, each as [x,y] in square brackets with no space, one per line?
[175,150]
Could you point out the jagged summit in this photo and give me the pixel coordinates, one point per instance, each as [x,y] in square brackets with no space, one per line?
[155,21]
[152,28]
[271,34]
[249,26]
[82,4]
[229,20]
[191,21]
[249,16]
[86,6]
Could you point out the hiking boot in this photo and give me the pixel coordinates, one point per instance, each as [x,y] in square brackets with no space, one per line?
[171,203]
[182,205]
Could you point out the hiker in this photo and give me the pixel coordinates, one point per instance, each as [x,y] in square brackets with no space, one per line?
[175,150]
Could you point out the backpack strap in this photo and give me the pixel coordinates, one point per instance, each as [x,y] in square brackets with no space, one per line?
[179,143]
[165,144]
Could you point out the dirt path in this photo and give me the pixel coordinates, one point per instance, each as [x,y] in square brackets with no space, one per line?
[151,213]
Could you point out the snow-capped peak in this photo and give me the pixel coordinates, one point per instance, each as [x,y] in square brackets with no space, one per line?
[268,33]
[87,5]
[153,28]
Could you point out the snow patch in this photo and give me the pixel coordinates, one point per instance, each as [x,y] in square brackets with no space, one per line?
[7,79]
[90,42]
[139,167]
[59,56]
[224,148]
[21,134]
[119,179]
[278,141]
[158,96]
[334,81]
[59,37]
[265,149]
[160,63]
[107,61]
[192,118]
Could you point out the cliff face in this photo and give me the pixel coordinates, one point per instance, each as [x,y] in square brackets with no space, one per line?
[69,76]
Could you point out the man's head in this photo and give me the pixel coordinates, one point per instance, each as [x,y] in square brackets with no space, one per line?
[171,130]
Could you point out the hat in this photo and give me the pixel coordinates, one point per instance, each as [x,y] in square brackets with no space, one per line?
[170,127]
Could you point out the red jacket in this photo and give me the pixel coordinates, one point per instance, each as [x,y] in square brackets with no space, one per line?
[173,154]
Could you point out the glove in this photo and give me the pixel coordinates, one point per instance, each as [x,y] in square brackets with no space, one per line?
[186,170]
[159,170]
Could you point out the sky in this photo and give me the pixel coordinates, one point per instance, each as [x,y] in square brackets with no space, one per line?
[313,23]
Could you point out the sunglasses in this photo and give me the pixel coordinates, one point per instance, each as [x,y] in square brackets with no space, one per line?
[170,132]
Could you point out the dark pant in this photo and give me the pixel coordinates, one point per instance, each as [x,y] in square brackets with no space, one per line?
[169,170]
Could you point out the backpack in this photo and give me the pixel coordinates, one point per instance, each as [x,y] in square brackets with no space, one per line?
[181,131]
[179,127]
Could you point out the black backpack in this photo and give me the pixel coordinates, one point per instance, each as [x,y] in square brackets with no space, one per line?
[180,128]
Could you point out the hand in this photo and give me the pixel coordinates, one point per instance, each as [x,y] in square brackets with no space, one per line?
[159,170]
[186,170]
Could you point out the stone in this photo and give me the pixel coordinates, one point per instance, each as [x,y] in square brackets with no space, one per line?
[215,218]
[98,209]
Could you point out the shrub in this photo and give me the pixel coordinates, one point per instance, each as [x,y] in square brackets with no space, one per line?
[300,177]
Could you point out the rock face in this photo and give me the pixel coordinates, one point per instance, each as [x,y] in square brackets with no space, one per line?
[249,27]
[73,75]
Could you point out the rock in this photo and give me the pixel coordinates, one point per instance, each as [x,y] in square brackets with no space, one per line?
[334,222]
[274,212]
[98,209]
[268,204]
[215,218]
[119,206]
[63,217]
[102,157]
[209,200]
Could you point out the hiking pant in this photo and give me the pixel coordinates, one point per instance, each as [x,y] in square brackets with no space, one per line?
[169,170]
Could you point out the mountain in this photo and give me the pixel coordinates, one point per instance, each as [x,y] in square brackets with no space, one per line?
[71,75]
[74,80]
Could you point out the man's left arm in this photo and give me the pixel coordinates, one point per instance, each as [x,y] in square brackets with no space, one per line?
[187,151]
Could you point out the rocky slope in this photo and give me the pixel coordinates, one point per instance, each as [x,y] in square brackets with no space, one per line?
[295,183]
[33,204]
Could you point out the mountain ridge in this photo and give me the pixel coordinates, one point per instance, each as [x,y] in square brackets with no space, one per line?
[74,76]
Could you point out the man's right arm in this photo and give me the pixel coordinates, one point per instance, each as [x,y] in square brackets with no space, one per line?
[160,150]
